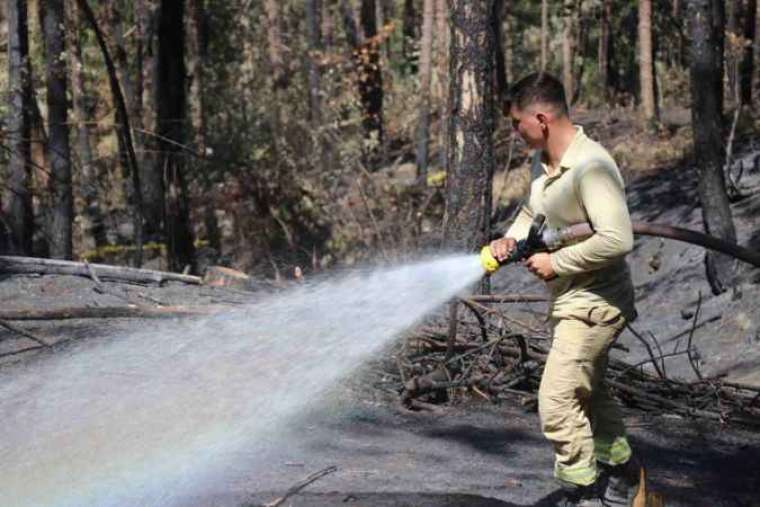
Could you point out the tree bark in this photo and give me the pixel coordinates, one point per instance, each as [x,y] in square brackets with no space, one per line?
[500,72]
[423,118]
[93,228]
[466,223]
[706,113]
[604,49]
[747,67]
[59,152]
[275,45]
[316,50]
[544,33]
[199,48]
[17,196]
[123,130]
[646,62]
[170,121]
[567,48]
[442,74]
[409,42]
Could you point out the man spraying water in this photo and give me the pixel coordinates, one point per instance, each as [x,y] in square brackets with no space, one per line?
[592,293]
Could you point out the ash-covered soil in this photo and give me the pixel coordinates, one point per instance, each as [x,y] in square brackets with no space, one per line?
[474,454]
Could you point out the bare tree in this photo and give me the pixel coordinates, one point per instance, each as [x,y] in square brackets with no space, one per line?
[466,223]
[170,120]
[59,152]
[646,62]
[706,114]
[17,196]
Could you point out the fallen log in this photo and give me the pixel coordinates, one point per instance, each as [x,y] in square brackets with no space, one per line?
[31,265]
[109,312]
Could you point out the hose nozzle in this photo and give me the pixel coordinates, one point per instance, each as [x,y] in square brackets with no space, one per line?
[488,261]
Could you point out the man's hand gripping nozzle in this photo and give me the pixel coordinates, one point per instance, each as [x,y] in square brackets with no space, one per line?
[535,242]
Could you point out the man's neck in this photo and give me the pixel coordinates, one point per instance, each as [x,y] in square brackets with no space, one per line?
[559,140]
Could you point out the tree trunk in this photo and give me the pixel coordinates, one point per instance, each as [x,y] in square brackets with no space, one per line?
[544,33]
[275,46]
[500,73]
[706,114]
[93,228]
[124,73]
[316,50]
[466,223]
[733,13]
[199,47]
[567,48]
[441,42]
[328,24]
[170,120]
[151,172]
[62,203]
[747,67]
[509,57]
[423,119]
[604,49]
[646,62]
[123,130]
[17,197]
[409,42]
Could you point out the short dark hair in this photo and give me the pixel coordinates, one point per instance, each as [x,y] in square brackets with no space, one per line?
[537,88]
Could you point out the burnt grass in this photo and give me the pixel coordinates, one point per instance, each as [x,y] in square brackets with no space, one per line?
[471,453]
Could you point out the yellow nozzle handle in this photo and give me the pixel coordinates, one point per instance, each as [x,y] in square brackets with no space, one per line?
[488,261]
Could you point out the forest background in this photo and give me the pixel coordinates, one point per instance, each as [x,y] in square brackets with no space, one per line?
[266,134]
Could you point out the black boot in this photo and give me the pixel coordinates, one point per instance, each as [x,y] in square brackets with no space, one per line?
[581,496]
[622,483]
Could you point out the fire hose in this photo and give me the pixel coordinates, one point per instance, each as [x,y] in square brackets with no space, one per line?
[543,239]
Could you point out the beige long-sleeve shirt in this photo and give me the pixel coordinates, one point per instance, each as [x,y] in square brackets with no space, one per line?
[593,280]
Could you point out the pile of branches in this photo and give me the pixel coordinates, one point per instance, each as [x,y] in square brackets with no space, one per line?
[495,356]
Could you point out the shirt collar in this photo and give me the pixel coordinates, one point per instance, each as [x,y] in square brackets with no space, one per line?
[572,153]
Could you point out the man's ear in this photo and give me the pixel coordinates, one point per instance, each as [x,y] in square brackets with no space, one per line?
[543,119]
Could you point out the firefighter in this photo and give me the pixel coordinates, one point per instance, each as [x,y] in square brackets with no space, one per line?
[591,289]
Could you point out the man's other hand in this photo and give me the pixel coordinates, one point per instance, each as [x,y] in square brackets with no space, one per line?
[502,248]
[540,264]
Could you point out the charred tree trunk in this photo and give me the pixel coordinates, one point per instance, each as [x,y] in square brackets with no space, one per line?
[706,113]
[93,228]
[747,67]
[466,223]
[170,120]
[423,119]
[59,153]
[17,196]
[646,62]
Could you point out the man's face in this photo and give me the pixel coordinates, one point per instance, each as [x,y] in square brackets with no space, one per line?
[530,124]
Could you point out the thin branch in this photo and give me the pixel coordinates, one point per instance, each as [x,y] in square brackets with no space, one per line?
[692,361]
[300,485]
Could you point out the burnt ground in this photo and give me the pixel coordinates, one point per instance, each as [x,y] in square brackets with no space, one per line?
[474,454]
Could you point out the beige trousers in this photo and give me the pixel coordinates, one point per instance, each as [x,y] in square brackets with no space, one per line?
[577,413]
